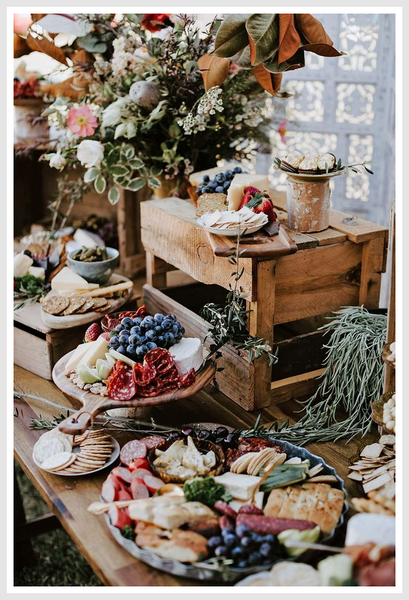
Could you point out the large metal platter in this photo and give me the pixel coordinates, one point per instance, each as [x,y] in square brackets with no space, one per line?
[205,571]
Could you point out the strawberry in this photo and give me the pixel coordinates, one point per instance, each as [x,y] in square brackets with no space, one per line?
[93,332]
[258,202]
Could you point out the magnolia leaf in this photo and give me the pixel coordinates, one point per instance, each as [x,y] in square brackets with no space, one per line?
[92,43]
[269,81]
[43,45]
[289,40]
[214,70]
[136,184]
[154,183]
[90,175]
[263,31]
[100,184]
[231,36]
[113,195]
[314,37]
[242,59]
[295,62]
[54,23]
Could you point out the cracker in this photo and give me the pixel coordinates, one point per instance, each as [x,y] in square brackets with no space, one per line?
[88,305]
[58,461]
[99,303]
[76,302]
[46,447]
[240,464]
[55,305]
[103,308]
[64,437]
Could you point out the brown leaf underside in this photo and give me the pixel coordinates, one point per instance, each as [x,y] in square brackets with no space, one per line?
[47,47]
[214,70]
[289,40]
[271,82]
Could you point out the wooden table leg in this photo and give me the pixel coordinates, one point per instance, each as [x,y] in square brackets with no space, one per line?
[156,270]
[261,323]
[23,550]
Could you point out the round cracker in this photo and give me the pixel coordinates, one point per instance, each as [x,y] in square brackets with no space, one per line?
[46,447]
[88,304]
[64,438]
[55,305]
[240,465]
[99,303]
[76,302]
[58,461]
[104,308]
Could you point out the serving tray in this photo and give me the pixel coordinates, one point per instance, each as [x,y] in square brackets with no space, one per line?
[257,245]
[56,322]
[94,404]
[208,571]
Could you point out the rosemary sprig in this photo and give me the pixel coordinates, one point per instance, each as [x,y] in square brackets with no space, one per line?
[228,323]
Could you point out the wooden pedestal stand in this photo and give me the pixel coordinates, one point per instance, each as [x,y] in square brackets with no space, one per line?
[338,267]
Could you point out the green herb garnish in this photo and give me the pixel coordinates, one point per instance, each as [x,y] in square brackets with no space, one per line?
[205,490]
[28,289]
[128,533]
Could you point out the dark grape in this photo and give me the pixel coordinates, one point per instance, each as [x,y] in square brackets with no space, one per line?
[242,530]
[158,330]
[219,440]
[229,538]
[134,339]
[188,431]
[114,340]
[121,349]
[127,322]
[206,178]
[182,330]
[238,552]
[237,170]
[220,551]
[137,321]
[221,431]
[151,345]
[144,348]
[270,538]
[247,541]
[229,438]
[219,189]
[265,549]
[204,434]
[173,435]
[139,353]
[118,328]
[255,558]
[151,335]
[214,542]
[148,322]
[135,330]
[167,324]
[130,350]
[161,341]
[169,337]
[159,317]
[242,564]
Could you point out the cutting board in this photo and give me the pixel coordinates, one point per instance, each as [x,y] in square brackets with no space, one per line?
[256,245]
[56,322]
[94,404]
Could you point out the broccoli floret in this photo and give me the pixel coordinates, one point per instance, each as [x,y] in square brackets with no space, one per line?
[205,490]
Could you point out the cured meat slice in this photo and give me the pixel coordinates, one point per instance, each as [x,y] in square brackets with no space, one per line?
[131,450]
[187,379]
[152,441]
[144,374]
[120,384]
[161,358]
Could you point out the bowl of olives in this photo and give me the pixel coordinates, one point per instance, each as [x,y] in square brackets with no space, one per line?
[96,265]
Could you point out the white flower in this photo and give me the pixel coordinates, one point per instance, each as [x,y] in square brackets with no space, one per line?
[90,153]
[112,115]
[163,34]
[57,161]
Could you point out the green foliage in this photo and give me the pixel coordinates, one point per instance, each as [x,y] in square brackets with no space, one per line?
[205,490]
[28,289]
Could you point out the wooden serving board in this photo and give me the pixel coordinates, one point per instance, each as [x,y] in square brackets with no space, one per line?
[93,404]
[57,322]
[256,245]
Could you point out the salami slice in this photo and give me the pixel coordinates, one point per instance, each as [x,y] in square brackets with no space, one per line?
[187,379]
[152,441]
[144,374]
[120,383]
[131,450]
[161,358]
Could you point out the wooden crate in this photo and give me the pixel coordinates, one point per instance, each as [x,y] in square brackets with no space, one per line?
[338,267]
[36,347]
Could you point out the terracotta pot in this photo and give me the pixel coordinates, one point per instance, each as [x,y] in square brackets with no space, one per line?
[308,204]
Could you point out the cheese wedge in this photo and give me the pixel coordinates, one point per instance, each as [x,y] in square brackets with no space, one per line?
[187,354]
[111,289]
[239,182]
[66,279]
[241,487]
[79,353]
[97,350]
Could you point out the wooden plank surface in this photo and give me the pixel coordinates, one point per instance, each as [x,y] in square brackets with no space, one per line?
[170,232]
[258,245]
[69,499]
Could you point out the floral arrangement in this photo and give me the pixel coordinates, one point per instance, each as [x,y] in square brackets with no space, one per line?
[30,88]
[152,112]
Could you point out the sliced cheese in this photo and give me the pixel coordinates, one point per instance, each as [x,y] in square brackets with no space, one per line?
[38,272]
[97,350]
[241,487]
[79,353]
[239,182]
[187,354]
[258,501]
[66,279]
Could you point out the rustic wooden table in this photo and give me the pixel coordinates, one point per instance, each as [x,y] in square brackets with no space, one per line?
[68,498]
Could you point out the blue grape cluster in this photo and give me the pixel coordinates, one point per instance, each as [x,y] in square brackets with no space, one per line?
[135,337]
[246,548]
[219,184]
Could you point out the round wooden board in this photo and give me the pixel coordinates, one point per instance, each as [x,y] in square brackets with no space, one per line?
[93,404]
[56,322]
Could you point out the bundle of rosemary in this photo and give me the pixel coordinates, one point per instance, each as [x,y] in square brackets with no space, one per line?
[352,381]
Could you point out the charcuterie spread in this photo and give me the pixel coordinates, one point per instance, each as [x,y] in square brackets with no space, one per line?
[137,355]
[217,497]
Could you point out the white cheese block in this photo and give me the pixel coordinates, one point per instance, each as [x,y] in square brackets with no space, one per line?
[88,239]
[66,279]
[38,272]
[97,350]
[22,263]
[79,353]
[241,487]
[365,528]
[239,182]
[258,501]
[187,354]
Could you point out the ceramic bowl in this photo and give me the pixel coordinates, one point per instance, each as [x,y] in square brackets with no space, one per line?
[202,445]
[98,271]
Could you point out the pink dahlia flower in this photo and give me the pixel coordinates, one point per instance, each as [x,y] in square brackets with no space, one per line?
[82,121]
